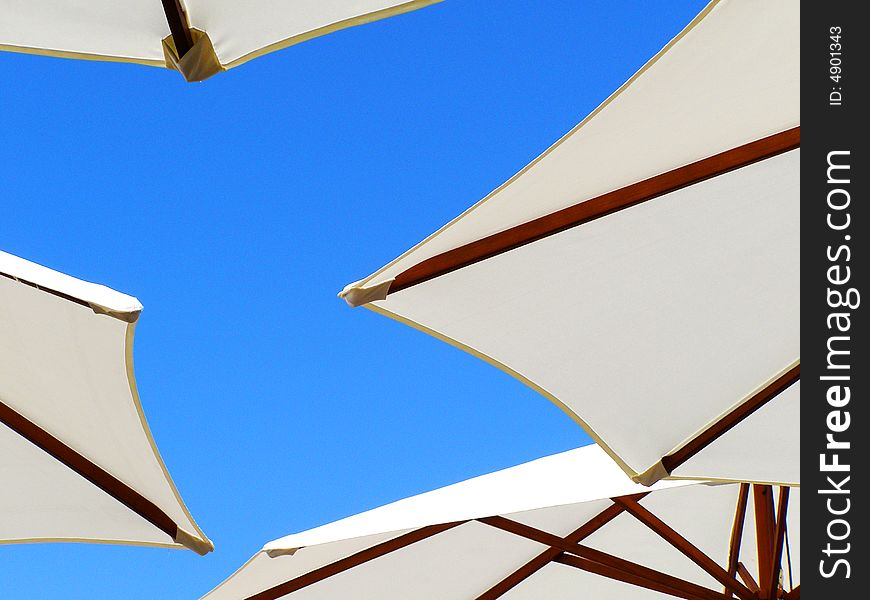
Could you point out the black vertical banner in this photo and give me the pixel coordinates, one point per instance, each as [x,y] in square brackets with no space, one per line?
[835,373]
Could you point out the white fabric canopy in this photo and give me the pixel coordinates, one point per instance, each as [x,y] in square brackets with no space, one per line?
[556,494]
[77,461]
[650,320]
[132,30]
[763,448]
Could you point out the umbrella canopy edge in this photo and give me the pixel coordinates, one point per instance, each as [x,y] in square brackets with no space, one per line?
[196,540]
[178,20]
[488,512]
[632,474]
[656,472]
[80,55]
[331,28]
[364,284]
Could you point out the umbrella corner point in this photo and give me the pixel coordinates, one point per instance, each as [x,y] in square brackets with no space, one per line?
[356,295]
[128,316]
[200,545]
[276,552]
[652,475]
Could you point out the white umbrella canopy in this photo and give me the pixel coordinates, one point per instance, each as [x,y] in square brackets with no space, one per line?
[199,38]
[643,272]
[77,460]
[515,534]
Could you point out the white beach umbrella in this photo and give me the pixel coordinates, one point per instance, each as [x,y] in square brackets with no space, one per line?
[77,461]
[565,526]
[199,38]
[642,273]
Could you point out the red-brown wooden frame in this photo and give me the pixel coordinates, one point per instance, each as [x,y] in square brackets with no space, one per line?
[568,551]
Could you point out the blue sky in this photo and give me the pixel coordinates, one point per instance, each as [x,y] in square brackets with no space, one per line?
[237,208]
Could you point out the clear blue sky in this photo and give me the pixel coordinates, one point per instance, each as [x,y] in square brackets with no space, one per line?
[237,208]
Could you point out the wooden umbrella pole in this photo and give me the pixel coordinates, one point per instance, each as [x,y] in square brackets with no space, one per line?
[765,526]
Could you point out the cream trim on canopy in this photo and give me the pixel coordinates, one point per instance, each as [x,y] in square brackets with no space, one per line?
[198,13]
[327,29]
[686,472]
[101,299]
[197,539]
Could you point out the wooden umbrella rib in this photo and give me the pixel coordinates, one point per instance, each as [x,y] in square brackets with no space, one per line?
[352,561]
[778,539]
[47,290]
[595,208]
[680,589]
[87,469]
[601,519]
[733,418]
[787,551]
[747,578]
[127,317]
[613,562]
[688,549]
[176,17]
[547,556]
[618,575]
[687,590]
[550,554]
[737,530]
[647,573]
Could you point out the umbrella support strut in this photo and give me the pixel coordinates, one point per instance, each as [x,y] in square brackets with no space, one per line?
[678,591]
[733,418]
[551,554]
[123,493]
[684,546]
[747,578]
[568,551]
[595,208]
[778,542]
[737,532]
[602,563]
[770,536]
[178,26]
